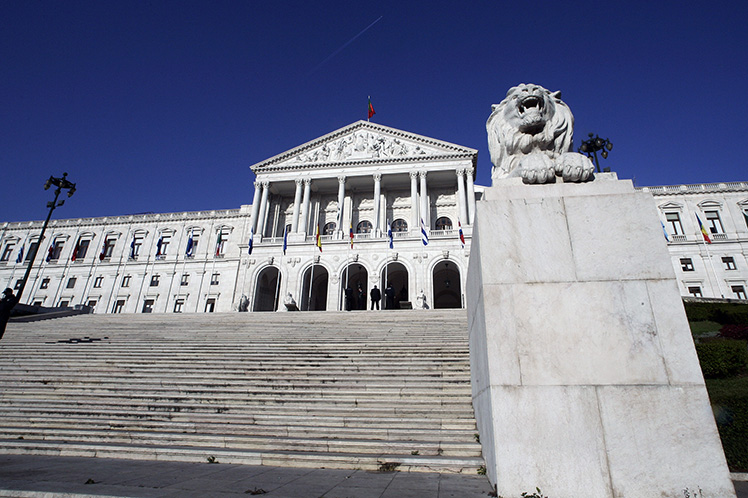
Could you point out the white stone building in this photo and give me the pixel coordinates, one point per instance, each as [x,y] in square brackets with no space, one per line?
[361,178]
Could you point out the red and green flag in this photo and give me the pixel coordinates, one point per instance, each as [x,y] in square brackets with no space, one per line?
[371,109]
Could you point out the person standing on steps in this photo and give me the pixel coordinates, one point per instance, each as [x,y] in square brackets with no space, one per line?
[389,297]
[7,303]
[348,298]
[376,296]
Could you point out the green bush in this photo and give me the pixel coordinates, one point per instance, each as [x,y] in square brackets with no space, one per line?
[732,422]
[723,357]
[733,331]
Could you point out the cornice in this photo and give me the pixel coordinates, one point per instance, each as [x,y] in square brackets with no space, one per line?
[696,188]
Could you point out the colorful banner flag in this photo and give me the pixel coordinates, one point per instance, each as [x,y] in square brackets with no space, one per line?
[158,246]
[219,242]
[664,232]
[462,236]
[350,232]
[318,239]
[75,251]
[190,244]
[371,109]
[251,236]
[703,231]
[745,215]
[424,235]
[132,248]
[389,234]
[285,240]
[19,258]
[50,253]
[102,254]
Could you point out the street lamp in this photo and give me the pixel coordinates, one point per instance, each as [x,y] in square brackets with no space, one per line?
[591,146]
[60,183]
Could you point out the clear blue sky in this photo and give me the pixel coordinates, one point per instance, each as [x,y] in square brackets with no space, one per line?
[162,106]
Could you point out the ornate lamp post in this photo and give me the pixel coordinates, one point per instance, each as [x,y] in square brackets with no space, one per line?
[60,183]
[591,146]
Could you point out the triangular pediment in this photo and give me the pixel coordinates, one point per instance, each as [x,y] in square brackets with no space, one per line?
[363,142]
[670,205]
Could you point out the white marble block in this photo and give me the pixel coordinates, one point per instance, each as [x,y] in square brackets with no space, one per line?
[586,382]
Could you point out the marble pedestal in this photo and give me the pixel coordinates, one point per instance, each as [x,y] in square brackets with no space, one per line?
[585,379]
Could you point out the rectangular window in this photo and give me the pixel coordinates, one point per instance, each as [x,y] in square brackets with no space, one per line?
[210,305]
[178,305]
[729,263]
[71,282]
[221,240]
[695,291]
[82,249]
[154,281]
[64,304]
[739,291]
[37,303]
[6,252]
[195,240]
[673,221]
[98,282]
[714,222]
[214,279]
[126,281]
[185,279]
[148,306]
[109,247]
[91,303]
[165,240]
[137,243]
[54,254]
[686,264]
[32,250]
[45,283]
[18,284]
[118,306]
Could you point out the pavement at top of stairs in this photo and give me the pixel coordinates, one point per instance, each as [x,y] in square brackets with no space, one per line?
[34,476]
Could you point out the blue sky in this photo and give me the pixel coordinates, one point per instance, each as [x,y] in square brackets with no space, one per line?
[162,106]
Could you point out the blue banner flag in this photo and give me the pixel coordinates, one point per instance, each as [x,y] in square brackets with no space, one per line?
[424,235]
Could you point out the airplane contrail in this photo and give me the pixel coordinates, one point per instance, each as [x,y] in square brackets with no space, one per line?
[343,46]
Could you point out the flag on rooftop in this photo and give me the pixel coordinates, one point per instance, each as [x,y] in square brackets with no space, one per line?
[75,250]
[50,252]
[462,236]
[424,235]
[371,110]
[219,242]
[158,246]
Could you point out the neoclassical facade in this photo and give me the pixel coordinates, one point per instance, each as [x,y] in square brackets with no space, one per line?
[319,223]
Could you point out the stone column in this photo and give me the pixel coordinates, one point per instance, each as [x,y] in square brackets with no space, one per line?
[255,206]
[470,194]
[414,224]
[377,194]
[341,202]
[296,202]
[461,194]
[424,200]
[305,206]
[263,209]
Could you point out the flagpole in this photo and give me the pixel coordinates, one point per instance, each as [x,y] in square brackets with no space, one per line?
[277,284]
[714,271]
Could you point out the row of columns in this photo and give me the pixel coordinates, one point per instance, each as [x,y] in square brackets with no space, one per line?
[465,201]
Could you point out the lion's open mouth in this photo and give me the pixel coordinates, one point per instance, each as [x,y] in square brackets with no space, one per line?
[530,102]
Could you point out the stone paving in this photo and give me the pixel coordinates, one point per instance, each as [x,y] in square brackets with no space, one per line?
[33,476]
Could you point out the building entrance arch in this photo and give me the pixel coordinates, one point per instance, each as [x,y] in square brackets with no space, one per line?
[447,288]
[267,289]
[396,275]
[319,277]
[356,277]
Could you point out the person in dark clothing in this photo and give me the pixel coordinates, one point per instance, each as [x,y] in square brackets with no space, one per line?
[376,296]
[6,304]
[389,297]
[361,302]
[348,298]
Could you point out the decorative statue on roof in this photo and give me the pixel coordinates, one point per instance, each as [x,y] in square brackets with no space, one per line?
[530,135]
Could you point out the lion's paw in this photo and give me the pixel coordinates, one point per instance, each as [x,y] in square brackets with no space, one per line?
[537,168]
[574,167]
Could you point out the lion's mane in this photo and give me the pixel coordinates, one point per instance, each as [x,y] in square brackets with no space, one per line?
[507,143]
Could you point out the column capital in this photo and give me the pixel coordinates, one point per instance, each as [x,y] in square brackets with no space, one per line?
[460,172]
[414,174]
[257,184]
[470,171]
[341,179]
[265,184]
[422,173]
[299,181]
[377,177]
[307,181]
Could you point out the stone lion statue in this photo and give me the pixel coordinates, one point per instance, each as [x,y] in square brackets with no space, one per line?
[530,135]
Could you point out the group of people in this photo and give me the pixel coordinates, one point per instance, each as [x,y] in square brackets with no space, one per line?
[6,304]
[357,300]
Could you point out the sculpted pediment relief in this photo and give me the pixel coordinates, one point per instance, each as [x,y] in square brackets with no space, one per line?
[362,141]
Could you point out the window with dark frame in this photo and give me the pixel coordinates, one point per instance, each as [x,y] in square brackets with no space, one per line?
[673,220]
[45,283]
[71,282]
[97,282]
[686,264]
[695,291]
[729,263]
[126,281]
[739,291]
[214,279]
[154,280]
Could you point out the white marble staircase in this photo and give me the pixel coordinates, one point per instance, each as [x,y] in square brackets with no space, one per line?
[368,390]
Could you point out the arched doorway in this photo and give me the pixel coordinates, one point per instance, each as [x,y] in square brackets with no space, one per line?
[267,289]
[358,281]
[447,288]
[396,275]
[319,277]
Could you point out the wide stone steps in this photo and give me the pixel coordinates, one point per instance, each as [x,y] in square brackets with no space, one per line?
[345,390]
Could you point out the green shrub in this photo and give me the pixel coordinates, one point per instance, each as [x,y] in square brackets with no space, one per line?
[723,313]
[723,357]
[732,422]
[735,331]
